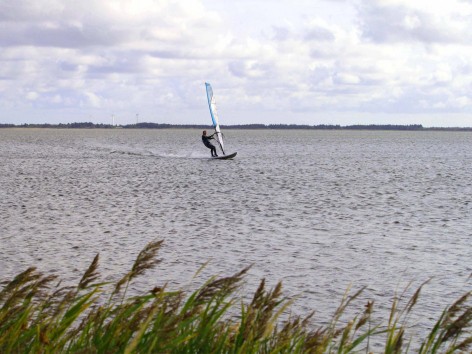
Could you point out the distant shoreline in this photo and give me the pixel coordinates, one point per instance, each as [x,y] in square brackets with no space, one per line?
[88,125]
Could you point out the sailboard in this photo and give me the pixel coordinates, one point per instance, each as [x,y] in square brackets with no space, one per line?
[216,124]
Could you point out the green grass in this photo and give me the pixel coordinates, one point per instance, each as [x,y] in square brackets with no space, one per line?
[38,315]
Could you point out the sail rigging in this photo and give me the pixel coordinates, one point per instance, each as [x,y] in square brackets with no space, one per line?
[214,116]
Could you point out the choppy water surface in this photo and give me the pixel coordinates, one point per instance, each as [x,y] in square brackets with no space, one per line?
[319,210]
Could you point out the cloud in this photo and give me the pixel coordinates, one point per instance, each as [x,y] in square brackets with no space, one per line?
[422,21]
[57,34]
[319,34]
[77,50]
[152,56]
[32,95]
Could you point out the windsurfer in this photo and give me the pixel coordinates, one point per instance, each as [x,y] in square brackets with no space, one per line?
[206,141]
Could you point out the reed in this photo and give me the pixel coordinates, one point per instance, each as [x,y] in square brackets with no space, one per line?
[38,315]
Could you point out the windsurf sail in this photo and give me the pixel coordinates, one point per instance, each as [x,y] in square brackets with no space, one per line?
[214,116]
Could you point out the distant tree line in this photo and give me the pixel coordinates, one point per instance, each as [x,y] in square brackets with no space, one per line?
[89,125]
[385,127]
[82,125]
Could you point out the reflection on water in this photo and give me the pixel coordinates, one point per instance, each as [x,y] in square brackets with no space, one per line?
[317,209]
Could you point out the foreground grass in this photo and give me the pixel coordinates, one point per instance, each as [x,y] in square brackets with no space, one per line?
[37,315]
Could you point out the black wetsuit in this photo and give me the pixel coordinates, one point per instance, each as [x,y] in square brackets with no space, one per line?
[206,142]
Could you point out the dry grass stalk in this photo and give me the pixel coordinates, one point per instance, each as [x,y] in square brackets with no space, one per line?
[90,275]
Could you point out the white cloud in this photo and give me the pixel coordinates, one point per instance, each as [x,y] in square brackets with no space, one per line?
[152,56]
[32,95]
[347,78]
[462,101]
[93,99]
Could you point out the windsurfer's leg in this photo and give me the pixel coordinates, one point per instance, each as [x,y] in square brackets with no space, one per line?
[211,147]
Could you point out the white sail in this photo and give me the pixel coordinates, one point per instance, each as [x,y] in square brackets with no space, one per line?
[214,116]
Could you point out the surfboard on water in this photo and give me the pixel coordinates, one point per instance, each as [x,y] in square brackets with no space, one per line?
[225,157]
[216,124]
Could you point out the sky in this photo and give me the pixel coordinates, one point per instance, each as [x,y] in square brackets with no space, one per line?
[280,61]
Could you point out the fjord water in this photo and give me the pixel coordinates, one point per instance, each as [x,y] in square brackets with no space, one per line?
[319,210]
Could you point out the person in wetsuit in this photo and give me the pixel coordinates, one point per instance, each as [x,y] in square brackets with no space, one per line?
[206,141]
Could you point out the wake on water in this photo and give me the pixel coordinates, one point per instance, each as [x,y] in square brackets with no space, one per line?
[149,153]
